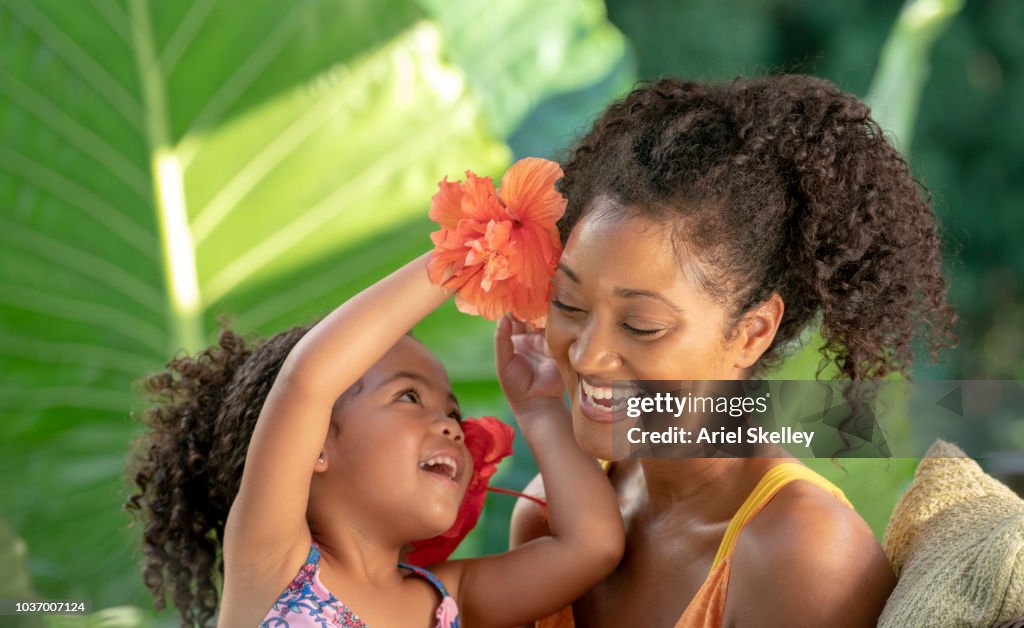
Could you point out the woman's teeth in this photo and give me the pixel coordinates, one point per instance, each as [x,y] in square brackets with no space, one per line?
[444,465]
[611,397]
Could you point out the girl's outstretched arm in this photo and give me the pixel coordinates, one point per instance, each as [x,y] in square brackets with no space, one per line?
[587,536]
[267,524]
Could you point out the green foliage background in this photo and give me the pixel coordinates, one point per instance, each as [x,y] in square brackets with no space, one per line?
[164,163]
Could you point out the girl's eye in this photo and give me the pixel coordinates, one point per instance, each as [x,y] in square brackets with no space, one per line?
[643,333]
[455,414]
[410,395]
[565,308]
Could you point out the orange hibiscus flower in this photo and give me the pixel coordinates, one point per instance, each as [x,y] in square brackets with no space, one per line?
[498,251]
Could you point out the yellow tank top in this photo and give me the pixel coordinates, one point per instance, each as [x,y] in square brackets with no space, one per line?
[707,609]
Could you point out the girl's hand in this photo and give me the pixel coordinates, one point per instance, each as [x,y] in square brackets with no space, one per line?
[528,374]
[586,537]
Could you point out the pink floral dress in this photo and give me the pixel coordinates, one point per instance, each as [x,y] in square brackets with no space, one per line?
[306,603]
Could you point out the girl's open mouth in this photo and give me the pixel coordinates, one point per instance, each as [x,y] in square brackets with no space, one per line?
[442,465]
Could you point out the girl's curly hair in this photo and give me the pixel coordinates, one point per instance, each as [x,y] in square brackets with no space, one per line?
[188,464]
[778,184]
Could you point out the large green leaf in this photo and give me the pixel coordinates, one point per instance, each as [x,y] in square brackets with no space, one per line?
[16,583]
[904,66]
[575,48]
[164,162]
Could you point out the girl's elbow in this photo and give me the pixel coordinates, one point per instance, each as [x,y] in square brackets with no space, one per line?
[610,553]
[605,545]
[616,543]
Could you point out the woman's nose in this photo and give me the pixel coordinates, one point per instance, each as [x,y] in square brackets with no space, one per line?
[593,351]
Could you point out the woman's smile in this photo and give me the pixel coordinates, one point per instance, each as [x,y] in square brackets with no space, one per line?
[603,402]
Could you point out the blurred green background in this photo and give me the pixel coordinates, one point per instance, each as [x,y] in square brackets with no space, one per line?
[163,163]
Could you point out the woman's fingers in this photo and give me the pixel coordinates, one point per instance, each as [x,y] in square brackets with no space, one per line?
[514,337]
[531,343]
[503,343]
[518,327]
[539,344]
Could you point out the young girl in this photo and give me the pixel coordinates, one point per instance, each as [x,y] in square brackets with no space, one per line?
[357,451]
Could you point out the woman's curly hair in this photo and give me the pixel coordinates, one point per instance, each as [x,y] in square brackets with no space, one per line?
[188,464]
[778,184]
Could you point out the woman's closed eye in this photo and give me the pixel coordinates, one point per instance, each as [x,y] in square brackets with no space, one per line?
[647,333]
[640,332]
[569,309]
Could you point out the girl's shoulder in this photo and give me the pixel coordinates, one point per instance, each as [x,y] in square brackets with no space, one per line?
[254,577]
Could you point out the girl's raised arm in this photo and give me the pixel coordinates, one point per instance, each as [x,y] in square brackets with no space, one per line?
[267,520]
[587,537]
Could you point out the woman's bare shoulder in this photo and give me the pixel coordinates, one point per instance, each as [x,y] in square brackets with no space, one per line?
[808,559]
[529,519]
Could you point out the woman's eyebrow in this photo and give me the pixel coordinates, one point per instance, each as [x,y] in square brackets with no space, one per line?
[625,292]
[568,273]
[631,292]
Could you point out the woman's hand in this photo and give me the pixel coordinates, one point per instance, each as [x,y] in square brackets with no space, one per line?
[528,374]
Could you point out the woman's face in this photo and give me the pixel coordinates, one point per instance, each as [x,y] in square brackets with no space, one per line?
[625,307]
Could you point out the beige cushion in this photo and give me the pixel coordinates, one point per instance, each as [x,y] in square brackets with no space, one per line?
[956,541]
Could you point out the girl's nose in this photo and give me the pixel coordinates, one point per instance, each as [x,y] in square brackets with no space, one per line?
[449,428]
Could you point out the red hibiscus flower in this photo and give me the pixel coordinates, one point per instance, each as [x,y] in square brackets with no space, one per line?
[499,250]
[489,441]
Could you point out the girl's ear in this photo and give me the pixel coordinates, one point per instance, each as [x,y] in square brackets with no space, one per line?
[757,330]
[321,463]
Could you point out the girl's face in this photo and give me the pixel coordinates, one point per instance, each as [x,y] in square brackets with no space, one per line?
[395,453]
[625,307]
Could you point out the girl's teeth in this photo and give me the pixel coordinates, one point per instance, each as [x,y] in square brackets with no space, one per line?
[447,461]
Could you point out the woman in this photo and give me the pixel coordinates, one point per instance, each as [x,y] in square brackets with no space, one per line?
[708,225]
